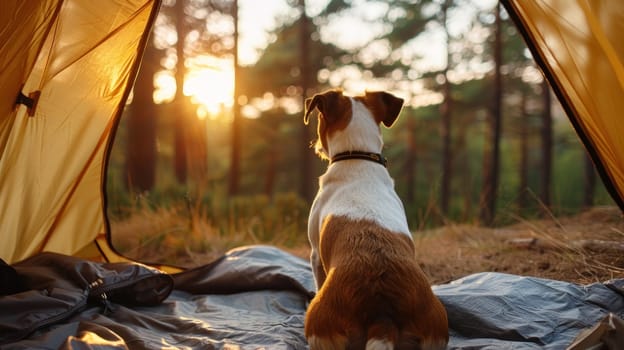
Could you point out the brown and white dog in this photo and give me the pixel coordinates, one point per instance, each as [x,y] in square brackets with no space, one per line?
[371,292]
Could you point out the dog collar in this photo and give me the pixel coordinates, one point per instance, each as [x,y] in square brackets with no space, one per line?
[373,157]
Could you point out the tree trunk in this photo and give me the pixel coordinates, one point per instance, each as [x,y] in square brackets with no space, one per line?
[306,190]
[491,156]
[590,182]
[197,147]
[445,130]
[180,111]
[410,159]
[271,166]
[142,121]
[546,135]
[236,122]
[524,155]
[465,181]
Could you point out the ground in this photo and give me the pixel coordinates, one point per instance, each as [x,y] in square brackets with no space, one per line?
[585,248]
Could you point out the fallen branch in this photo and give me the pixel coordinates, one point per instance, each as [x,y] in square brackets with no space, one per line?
[596,245]
[591,245]
[533,243]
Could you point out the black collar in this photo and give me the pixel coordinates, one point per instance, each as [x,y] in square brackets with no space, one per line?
[373,157]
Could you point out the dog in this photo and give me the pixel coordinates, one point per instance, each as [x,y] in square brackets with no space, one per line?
[371,292]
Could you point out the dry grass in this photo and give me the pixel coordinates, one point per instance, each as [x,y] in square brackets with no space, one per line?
[187,236]
[585,248]
[170,236]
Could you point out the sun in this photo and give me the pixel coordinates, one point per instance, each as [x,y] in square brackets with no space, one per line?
[209,82]
[211,88]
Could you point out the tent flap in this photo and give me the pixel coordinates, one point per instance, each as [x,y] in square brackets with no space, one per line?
[82,56]
[577,45]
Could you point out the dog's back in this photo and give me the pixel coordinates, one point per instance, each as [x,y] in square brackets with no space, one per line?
[375,295]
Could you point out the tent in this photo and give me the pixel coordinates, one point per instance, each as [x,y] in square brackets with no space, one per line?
[578,47]
[66,70]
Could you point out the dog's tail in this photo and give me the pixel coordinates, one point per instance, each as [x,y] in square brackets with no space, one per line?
[382,335]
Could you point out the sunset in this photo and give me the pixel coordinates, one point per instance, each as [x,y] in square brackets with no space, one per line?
[212,89]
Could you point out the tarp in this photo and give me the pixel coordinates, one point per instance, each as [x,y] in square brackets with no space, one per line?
[256,297]
[81,57]
[579,47]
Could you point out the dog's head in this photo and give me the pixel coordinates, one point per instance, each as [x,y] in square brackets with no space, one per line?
[351,123]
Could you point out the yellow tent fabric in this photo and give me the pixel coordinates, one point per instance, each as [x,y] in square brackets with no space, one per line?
[81,56]
[578,45]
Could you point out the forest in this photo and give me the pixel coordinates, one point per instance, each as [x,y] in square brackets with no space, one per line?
[212,151]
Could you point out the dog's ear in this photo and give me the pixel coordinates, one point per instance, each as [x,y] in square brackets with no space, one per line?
[385,106]
[326,102]
[310,103]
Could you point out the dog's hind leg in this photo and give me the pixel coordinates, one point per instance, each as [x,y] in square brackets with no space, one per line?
[324,326]
[332,322]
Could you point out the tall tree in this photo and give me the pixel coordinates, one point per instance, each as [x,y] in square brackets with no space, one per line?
[492,151]
[411,157]
[142,120]
[190,20]
[547,144]
[197,150]
[286,69]
[589,184]
[306,186]
[236,120]
[524,153]
[522,99]
[445,114]
[181,115]
[414,20]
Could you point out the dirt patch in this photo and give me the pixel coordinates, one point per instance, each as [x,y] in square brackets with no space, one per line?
[585,248]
